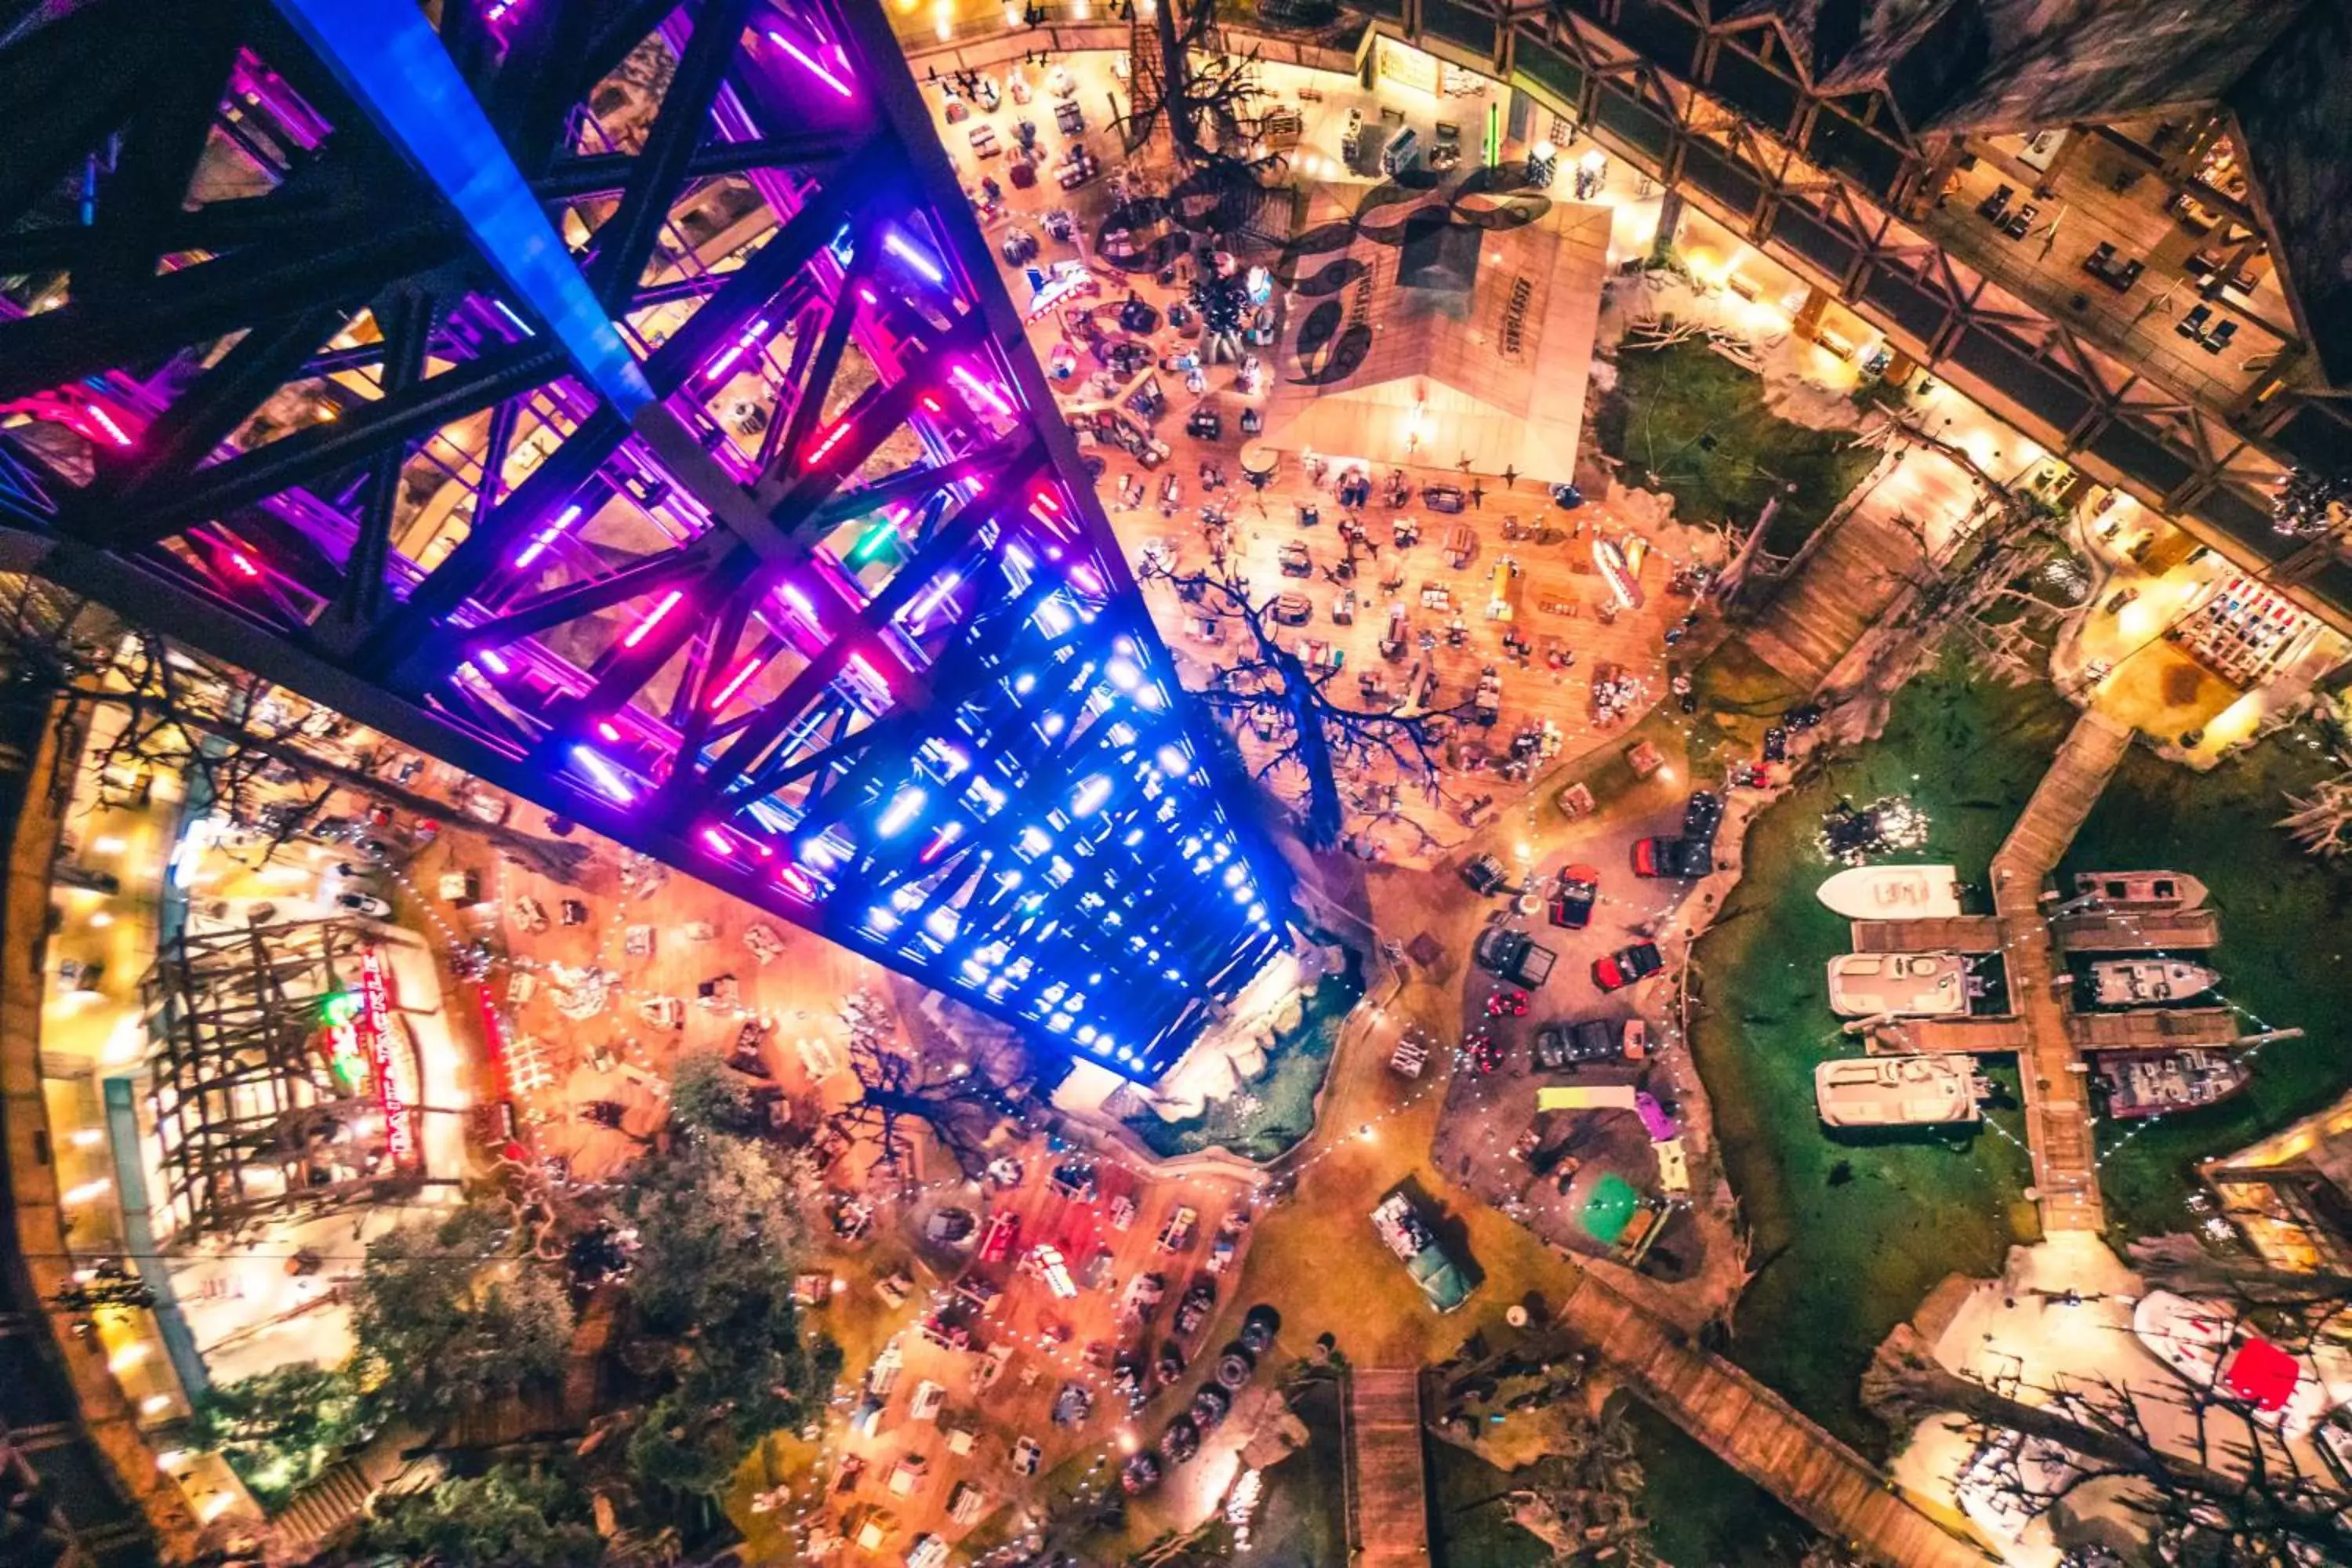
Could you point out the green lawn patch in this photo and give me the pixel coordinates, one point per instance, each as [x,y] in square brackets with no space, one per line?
[1698,422]
[1302,1522]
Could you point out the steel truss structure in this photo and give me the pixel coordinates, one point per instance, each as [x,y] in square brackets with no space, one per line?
[251,1117]
[616,398]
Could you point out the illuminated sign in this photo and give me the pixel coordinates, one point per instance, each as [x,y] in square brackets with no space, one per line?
[341,1013]
[375,1041]
[1069,277]
[494,1031]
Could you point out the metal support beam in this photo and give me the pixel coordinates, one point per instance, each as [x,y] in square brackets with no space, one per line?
[387,57]
[658,630]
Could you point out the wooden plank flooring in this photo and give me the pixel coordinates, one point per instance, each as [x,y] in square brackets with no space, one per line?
[1956,933]
[1760,1434]
[2057,1102]
[1391,1469]
[2153,933]
[1851,576]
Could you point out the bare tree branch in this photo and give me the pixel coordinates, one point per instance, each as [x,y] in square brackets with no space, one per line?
[1272,691]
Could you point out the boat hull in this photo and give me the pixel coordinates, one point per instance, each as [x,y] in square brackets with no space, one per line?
[1894,892]
[1897,1091]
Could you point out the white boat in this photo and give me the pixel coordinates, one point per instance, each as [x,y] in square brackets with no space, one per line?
[1897,1091]
[1898,984]
[2146,981]
[2139,890]
[1894,892]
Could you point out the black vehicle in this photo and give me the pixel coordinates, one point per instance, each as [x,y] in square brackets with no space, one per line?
[1447,498]
[1182,1441]
[1703,815]
[1578,1044]
[1140,1473]
[1193,1309]
[1127,1377]
[1513,955]
[1204,425]
[1574,892]
[1484,875]
[1210,1406]
[1675,857]
[1568,498]
[1257,1329]
[1693,853]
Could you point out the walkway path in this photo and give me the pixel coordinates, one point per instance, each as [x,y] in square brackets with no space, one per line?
[1760,1435]
[2138,931]
[1391,1470]
[1952,933]
[2057,1101]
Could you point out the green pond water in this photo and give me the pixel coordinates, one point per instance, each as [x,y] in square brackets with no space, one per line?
[1277,1109]
[1470,1522]
[1702,1512]
[2286,931]
[1302,1521]
[1851,1232]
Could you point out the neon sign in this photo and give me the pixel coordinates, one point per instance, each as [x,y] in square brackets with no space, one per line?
[1068,278]
[342,1012]
[375,1041]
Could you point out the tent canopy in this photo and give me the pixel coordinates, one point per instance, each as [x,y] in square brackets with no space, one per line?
[1480,344]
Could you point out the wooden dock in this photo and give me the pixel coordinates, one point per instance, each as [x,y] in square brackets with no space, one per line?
[1759,1434]
[1952,933]
[2158,931]
[1391,1469]
[2154,1028]
[2003,1036]
[2057,1101]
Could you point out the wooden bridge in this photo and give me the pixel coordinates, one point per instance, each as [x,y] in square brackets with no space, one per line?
[1951,933]
[1759,1434]
[2057,1101]
[2158,931]
[1391,1470]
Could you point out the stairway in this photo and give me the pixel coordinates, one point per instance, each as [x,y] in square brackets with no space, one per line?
[339,1495]
[1842,583]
